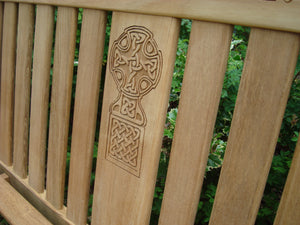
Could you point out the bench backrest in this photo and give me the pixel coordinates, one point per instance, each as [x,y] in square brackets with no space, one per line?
[140,62]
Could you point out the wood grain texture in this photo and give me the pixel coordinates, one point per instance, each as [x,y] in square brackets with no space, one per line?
[64,50]
[273,14]
[123,191]
[264,89]
[16,209]
[199,100]
[85,113]
[34,198]
[22,88]
[8,81]
[288,211]
[40,95]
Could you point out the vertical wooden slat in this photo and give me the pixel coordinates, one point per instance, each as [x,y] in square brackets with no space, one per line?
[65,38]
[7,81]
[22,88]
[289,207]
[265,84]
[139,73]
[1,26]
[40,95]
[85,113]
[202,85]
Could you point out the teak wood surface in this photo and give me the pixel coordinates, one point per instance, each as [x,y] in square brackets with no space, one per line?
[38,200]
[8,63]
[274,14]
[40,96]
[16,208]
[140,63]
[85,113]
[63,65]
[22,88]
[199,100]
[117,186]
[265,83]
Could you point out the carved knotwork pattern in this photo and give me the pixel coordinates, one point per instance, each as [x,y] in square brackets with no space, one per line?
[135,64]
[128,107]
[124,142]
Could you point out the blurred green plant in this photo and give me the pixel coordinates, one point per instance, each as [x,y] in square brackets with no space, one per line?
[3,221]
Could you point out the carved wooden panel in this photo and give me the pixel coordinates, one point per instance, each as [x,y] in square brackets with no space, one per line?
[135,64]
[139,71]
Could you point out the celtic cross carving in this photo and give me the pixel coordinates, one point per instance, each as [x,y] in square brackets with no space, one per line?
[135,64]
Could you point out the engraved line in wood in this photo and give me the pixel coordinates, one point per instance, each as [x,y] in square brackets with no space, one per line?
[135,64]
[286,1]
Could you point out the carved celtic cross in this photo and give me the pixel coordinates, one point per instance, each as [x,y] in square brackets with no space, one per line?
[135,64]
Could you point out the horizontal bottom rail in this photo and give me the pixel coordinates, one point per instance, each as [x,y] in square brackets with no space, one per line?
[15,208]
[37,200]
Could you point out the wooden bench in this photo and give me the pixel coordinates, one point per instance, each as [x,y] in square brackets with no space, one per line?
[142,52]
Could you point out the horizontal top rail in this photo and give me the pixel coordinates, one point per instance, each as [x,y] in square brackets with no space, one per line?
[273,14]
